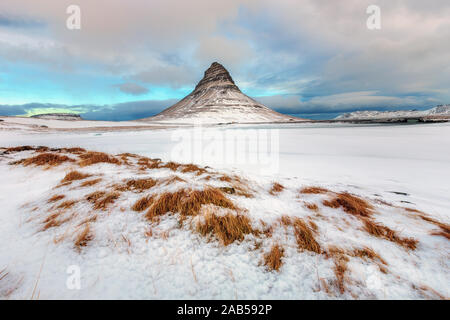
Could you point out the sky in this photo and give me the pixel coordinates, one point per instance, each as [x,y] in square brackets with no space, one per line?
[132,59]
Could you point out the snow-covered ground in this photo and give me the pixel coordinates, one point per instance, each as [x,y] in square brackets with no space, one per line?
[392,167]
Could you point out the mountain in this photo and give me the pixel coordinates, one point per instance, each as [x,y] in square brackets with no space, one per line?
[217,99]
[439,111]
[58,116]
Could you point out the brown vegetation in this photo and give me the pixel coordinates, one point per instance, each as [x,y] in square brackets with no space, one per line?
[45,159]
[74,175]
[227,228]
[83,237]
[303,234]
[311,206]
[381,231]
[56,197]
[314,190]
[103,202]
[142,204]
[90,182]
[140,185]
[66,204]
[273,259]
[188,202]
[350,204]
[276,188]
[91,157]
[192,168]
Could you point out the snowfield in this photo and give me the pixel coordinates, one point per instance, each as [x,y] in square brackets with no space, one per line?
[360,212]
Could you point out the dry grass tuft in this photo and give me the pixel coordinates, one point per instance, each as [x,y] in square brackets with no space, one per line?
[83,237]
[314,190]
[273,259]
[56,198]
[90,182]
[304,235]
[74,175]
[90,158]
[368,253]
[19,149]
[381,231]
[340,269]
[227,228]
[140,185]
[171,165]
[444,228]
[54,220]
[94,196]
[276,188]
[193,168]
[66,204]
[311,206]
[350,204]
[142,204]
[45,159]
[188,202]
[103,202]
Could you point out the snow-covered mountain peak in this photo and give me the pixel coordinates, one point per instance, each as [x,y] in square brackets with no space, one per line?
[217,99]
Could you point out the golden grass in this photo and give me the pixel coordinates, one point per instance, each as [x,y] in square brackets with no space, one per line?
[91,157]
[56,197]
[171,165]
[311,206]
[193,168]
[74,175]
[140,185]
[142,204]
[444,228]
[94,196]
[54,220]
[103,202]
[350,204]
[304,235]
[66,204]
[188,202]
[380,231]
[90,182]
[276,188]
[19,149]
[273,259]
[226,228]
[314,190]
[368,253]
[45,159]
[83,237]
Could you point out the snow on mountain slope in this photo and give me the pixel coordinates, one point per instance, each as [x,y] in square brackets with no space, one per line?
[217,99]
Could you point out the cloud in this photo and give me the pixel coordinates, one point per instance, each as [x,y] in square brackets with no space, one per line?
[9,21]
[132,88]
[319,52]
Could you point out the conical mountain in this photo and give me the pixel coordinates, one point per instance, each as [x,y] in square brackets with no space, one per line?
[217,99]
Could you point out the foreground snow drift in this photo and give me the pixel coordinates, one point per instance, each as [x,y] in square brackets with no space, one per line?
[137,227]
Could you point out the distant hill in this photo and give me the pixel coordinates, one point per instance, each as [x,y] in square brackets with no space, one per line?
[58,116]
[439,111]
